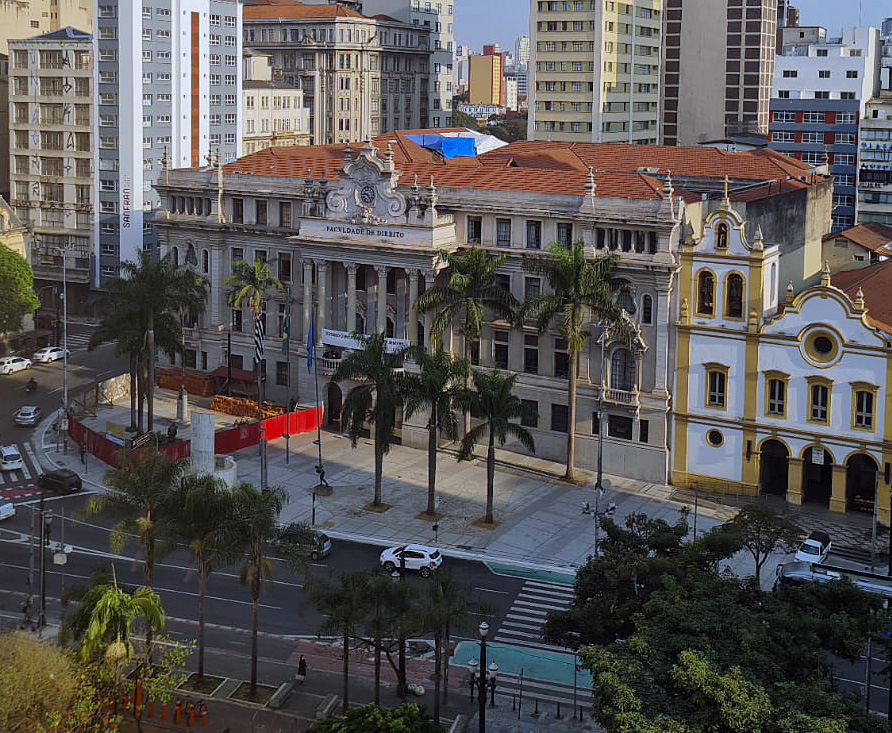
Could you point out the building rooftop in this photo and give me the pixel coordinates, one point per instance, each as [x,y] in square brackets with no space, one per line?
[872,236]
[875,283]
[63,34]
[292,9]
[622,171]
[265,84]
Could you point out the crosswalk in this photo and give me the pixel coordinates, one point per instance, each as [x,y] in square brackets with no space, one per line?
[77,341]
[523,623]
[522,627]
[23,477]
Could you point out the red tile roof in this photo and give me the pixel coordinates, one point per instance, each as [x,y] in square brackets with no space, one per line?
[872,236]
[275,9]
[542,167]
[876,284]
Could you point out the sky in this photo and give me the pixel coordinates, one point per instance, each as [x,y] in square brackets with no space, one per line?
[501,21]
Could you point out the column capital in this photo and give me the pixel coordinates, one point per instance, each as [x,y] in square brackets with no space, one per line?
[429,275]
[352,267]
[381,270]
[321,265]
[308,264]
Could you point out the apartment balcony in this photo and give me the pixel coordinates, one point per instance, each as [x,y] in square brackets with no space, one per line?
[329,365]
[626,398]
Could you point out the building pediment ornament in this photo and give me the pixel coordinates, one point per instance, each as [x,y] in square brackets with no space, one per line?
[367,192]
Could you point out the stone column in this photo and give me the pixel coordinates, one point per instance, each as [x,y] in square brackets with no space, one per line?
[370,291]
[382,298]
[661,320]
[838,490]
[400,329]
[428,316]
[351,296]
[321,290]
[308,297]
[794,481]
[412,327]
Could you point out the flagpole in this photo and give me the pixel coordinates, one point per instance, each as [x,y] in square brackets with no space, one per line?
[286,347]
[311,359]
[259,333]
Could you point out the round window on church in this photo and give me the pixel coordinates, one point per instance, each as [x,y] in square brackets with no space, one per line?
[821,347]
[715,438]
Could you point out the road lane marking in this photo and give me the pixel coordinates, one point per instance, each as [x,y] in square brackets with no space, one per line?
[492,590]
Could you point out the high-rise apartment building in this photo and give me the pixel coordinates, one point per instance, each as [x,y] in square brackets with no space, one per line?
[595,70]
[822,86]
[361,76]
[53,155]
[273,112]
[718,68]
[522,50]
[169,84]
[485,83]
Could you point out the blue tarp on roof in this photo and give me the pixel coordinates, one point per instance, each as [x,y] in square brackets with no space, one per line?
[451,147]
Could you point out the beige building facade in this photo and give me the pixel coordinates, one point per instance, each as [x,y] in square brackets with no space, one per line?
[360,76]
[718,68]
[273,112]
[26,18]
[594,72]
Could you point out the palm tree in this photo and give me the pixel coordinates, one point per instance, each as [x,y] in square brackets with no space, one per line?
[375,399]
[249,285]
[470,290]
[344,604]
[138,500]
[493,402]
[113,618]
[464,299]
[202,521]
[254,530]
[582,290]
[434,389]
[160,291]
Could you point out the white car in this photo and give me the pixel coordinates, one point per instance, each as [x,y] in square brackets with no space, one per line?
[814,548]
[10,459]
[7,509]
[26,416]
[422,558]
[50,353]
[10,364]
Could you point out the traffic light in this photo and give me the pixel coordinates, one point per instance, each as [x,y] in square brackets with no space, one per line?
[47,527]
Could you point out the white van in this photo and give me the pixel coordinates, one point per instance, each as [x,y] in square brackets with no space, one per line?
[10,459]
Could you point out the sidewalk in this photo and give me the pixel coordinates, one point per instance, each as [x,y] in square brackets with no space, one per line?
[539,519]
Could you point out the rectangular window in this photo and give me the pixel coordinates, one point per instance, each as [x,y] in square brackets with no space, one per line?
[532,286]
[500,349]
[715,396]
[644,431]
[238,211]
[565,233]
[503,232]
[812,118]
[260,209]
[619,426]
[560,421]
[285,214]
[282,373]
[529,416]
[777,397]
[561,359]
[475,229]
[820,402]
[236,254]
[531,354]
[534,234]
[284,267]
[863,409]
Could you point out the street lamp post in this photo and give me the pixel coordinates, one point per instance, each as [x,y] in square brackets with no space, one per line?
[63,423]
[479,679]
[603,340]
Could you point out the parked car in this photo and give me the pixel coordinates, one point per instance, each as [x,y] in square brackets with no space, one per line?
[26,416]
[10,458]
[308,542]
[422,558]
[815,548]
[10,364]
[50,353]
[62,480]
[7,509]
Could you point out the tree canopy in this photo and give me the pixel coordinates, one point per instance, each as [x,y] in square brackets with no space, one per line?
[674,644]
[407,718]
[17,298]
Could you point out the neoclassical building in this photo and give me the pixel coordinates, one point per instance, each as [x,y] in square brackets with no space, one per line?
[778,391]
[355,235]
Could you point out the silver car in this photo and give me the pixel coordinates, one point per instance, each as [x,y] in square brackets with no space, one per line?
[27,416]
[10,364]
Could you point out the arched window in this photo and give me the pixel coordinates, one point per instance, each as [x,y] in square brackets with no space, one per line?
[773,283]
[175,256]
[647,310]
[722,236]
[624,297]
[706,293]
[205,261]
[191,256]
[734,296]
[389,328]
[622,370]
[360,324]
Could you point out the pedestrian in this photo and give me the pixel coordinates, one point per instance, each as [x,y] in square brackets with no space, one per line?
[301,669]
